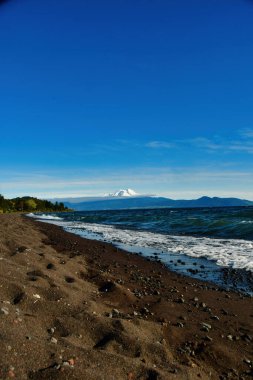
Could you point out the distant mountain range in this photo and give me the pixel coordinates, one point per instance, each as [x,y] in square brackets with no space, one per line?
[127,199]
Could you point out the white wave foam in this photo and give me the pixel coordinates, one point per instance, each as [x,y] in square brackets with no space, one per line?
[44,216]
[225,252]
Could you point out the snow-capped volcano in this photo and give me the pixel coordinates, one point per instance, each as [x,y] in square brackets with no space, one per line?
[123,193]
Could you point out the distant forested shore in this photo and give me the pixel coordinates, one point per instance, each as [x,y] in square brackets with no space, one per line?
[29,204]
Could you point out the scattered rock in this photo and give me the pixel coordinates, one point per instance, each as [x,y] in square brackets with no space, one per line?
[4,310]
[50,266]
[69,279]
[205,327]
[18,298]
[108,286]
[115,313]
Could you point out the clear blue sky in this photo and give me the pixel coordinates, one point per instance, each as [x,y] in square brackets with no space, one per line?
[156,95]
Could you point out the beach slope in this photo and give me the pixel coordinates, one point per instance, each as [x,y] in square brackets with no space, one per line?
[72,308]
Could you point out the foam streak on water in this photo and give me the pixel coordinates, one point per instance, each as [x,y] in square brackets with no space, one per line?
[44,216]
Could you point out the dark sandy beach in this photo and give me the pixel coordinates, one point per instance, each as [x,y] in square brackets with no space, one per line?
[73,308]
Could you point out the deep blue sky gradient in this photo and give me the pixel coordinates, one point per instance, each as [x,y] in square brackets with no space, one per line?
[97,95]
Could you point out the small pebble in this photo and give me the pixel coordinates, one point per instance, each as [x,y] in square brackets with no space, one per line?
[11,373]
[4,310]
[205,327]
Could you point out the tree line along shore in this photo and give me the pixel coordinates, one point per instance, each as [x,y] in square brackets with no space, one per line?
[29,204]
